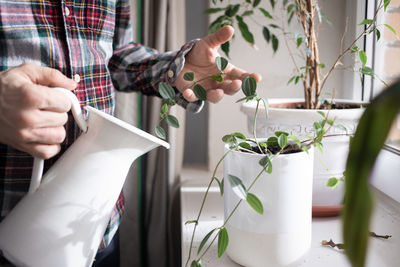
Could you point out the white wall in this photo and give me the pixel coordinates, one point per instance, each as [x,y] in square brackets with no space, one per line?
[276,69]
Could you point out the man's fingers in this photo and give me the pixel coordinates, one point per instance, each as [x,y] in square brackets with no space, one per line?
[52,100]
[215,95]
[46,135]
[189,95]
[43,151]
[221,36]
[48,76]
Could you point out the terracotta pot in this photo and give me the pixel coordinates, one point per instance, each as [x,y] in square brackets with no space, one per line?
[299,122]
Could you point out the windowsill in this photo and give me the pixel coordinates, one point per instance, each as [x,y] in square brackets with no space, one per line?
[385,220]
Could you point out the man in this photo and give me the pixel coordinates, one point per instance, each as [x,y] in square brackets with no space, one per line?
[86,47]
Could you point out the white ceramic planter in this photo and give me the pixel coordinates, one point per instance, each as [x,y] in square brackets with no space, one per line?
[282,235]
[299,122]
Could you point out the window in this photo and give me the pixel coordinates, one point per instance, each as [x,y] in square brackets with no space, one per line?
[385,54]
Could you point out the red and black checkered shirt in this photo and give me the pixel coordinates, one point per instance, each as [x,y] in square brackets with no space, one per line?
[89,38]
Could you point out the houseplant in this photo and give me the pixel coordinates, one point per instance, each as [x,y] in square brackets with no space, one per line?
[250,160]
[368,140]
[308,72]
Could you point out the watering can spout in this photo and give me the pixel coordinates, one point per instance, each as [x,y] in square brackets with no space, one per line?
[62,219]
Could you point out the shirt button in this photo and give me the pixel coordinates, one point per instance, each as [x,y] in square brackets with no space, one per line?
[77,78]
[67,12]
[170,73]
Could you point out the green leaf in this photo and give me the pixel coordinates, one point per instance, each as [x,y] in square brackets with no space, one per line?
[244,30]
[241,99]
[272,3]
[299,41]
[363,57]
[205,239]
[291,80]
[355,49]
[290,18]
[188,76]
[272,141]
[378,34]
[319,146]
[217,78]
[390,28]
[279,133]
[274,26]
[266,162]
[295,139]
[284,2]
[239,135]
[317,126]
[160,132]
[164,108]
[290,8]
[265,12]
[220,185]
[192,221]
[249,86]
[369,138]
[232,10]
[386,4]
[195,264]
[305,149]
[247,13]
[341,127]
[229,139]
[223,240]
[245,145]
[200,92]
[321,113]
[237,186]
[332,182]
[166,91]
[366,21]
[256,3]
[255,203]
[367,71]
[172,121]
[221,63]
[297,79]
[225,48]
[329,121]
[263,145]
[213,10]
[266,34]
[282,141]
[275,43]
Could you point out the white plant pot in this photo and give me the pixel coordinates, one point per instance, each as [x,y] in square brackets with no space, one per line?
[299,122]
[282,235]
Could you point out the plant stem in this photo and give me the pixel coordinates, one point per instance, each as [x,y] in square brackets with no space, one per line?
[202,204]
[255,126]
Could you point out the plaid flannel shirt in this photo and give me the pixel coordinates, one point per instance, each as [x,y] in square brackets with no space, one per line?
[90,40]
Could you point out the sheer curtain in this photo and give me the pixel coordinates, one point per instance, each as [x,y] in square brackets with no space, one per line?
[147,232]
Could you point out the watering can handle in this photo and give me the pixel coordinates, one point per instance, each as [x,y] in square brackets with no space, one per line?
[38,163]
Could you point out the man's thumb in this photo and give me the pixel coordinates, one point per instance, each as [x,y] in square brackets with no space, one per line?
[221,36]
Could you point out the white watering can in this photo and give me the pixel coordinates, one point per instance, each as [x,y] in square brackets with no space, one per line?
[62,219]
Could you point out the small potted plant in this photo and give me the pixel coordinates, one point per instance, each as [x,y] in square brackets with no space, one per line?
[297,117]
[272,175]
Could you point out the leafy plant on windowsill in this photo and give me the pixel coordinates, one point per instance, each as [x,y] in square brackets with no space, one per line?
[370,136]
[307,64]
[280,143]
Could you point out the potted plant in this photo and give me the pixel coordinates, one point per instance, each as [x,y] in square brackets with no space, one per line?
[297,116]
[368,140]
[276,200]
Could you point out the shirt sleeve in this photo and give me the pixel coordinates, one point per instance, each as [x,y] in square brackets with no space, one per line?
[135,67]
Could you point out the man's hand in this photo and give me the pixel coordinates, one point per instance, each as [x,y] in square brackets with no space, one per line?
[201,61]
[32,114]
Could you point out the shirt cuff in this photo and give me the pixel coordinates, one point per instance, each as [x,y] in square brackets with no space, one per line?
[173,72]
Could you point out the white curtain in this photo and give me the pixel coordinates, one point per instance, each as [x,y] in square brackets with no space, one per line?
[163,29]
